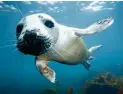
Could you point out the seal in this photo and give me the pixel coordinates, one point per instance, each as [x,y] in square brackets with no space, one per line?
[41,36]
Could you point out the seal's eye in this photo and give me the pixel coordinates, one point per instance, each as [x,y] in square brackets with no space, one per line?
[49,23]
[19,29]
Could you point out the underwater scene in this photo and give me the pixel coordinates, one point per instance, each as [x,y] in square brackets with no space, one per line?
[61,47]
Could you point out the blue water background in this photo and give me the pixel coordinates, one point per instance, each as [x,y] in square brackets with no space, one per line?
[18,73]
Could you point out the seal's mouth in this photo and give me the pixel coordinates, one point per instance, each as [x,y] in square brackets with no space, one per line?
[34,45]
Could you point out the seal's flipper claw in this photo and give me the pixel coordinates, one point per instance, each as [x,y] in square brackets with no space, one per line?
[45,70]
[87,65]
[100,25]
[94,28]
[103,24]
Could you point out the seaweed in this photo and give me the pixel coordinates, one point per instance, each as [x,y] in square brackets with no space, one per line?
[105,83]
[49,91]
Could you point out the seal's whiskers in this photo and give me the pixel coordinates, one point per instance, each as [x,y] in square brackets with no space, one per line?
[19,10]
[15,50]
[12,40]
[10,45]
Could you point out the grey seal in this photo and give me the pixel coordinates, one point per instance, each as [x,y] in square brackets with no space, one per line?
[41,36]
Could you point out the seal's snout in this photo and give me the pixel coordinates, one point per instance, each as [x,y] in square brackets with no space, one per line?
[33,43]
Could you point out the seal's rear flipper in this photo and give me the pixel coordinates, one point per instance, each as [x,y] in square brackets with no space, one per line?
[94,48]
[91,58]
[45,70]
[86,65]
[94,28]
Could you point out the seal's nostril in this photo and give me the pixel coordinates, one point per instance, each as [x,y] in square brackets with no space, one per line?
[19,40]
[22,32]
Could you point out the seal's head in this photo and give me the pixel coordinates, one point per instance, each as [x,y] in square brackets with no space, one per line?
[36,34]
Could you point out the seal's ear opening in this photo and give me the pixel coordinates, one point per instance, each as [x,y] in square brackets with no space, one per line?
[19,28]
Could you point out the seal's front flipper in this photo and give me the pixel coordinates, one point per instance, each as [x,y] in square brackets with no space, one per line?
[86,65]
[45,70]
[95,28]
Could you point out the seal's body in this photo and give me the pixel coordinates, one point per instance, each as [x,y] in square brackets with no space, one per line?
[65,52]
[41,36]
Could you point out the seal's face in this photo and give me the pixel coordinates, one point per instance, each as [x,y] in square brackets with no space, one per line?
[36,34]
